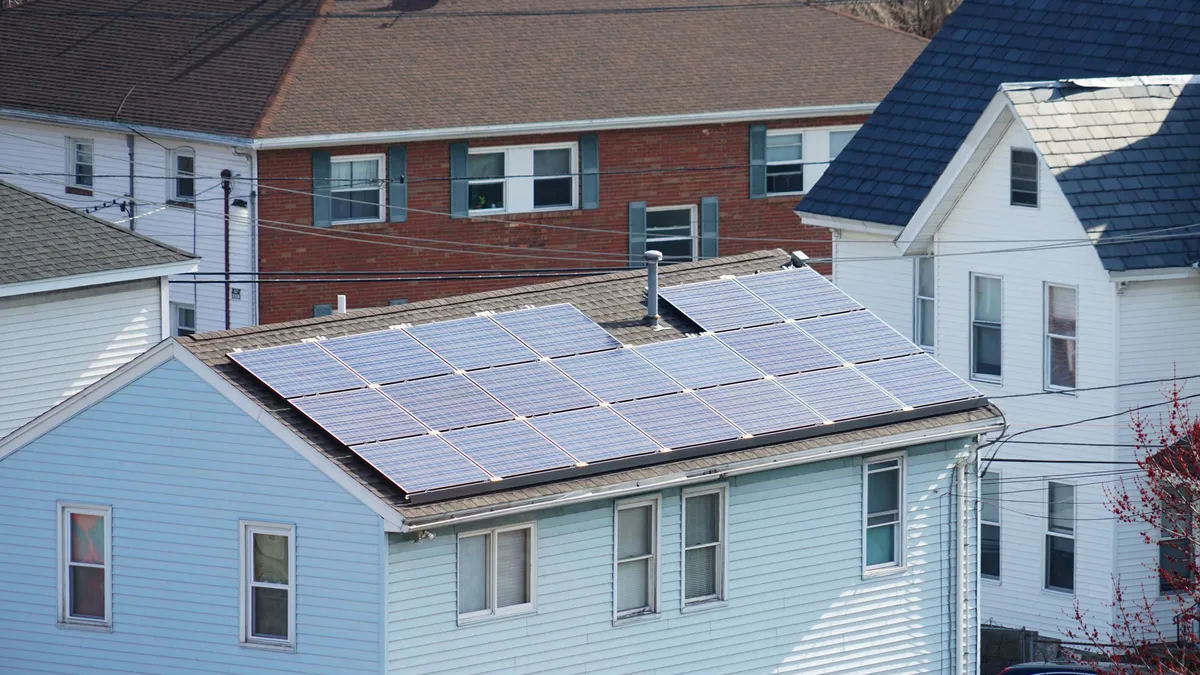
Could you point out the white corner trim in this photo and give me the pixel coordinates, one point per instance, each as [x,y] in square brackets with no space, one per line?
[573,126]
[165,320]
[98,278]
[834,223]
[392,520]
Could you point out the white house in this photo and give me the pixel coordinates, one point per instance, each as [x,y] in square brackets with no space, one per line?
[1056,255]
[79,297]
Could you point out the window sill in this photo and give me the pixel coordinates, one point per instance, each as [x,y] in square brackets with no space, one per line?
[1064,391]
[178,203]
[471,620]
[986,379]
[782,195]
[549,213]
[995,581]
[703,606]
[637,619]
[877,572]
[270,646]
[81,191]
[91,627]
[1062,592]
[361,225]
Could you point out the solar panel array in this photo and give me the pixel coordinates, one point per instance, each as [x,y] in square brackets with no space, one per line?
[486,398]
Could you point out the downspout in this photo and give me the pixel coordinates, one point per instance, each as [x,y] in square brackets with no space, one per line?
[131,141]
[962,556]
[227,187]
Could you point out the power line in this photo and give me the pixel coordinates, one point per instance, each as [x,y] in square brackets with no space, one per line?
[1107,386]
[483,276]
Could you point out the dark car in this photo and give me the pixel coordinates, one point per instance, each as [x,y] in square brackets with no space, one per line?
[1046,668]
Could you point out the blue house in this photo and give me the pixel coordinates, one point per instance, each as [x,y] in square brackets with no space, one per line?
[765,479]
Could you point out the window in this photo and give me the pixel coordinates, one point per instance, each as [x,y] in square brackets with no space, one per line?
[1060,537]
[496,572]
[703,545]
[1024,188]
[322,310]
[989,528]
[923,326]
[356,189]
[80,167]
[671,230]
[183,318]
[85,568]
[636,558]
[268,584]
[838,141]
[183,175]
[1175,556]
[1061,309]
[796,159]
[522,179]
[883,526]
[986,309]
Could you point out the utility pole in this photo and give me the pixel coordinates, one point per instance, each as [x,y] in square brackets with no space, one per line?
[227,188]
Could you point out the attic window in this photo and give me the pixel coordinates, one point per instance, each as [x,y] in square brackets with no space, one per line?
[1024,185]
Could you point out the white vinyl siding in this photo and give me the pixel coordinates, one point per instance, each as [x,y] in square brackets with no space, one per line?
[522,179]
[1060,536]
[85,565]
[883,511]
[987,308]
[268,584]
[924,287]
[797,158]
[1061,336]
[704,559]
[356,189]
[636,558]
[496,572]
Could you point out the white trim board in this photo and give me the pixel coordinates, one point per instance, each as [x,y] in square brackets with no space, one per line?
[864,226]
[98,278]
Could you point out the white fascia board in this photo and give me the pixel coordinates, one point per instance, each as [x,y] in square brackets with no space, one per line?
[1159,274]
[922,225]
[98,278]
[712,473]
[575,126]
[864,226]
[121,128]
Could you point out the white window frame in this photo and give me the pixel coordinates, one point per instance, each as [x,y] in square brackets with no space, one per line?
[175,325]
[655,556]
[695,236]
[901,521]
[984,377]
[492,612]
[816,138]
[918,315]
[173,175]
[247,529]
[518,177]
[72,142]
[722,556]
[1037,178]
[65,509]
[1072,536]
[1046,342]
[381,161]
[998,523]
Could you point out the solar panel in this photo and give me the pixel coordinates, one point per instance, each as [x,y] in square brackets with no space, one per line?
[719,305]
[760,407]
[298,370]
[918,380]
[699,362]
[799,293]
[858,336]
[678,420]
[509,448]
[421,463]
[617,375]
[386,356]
[359,416]
[780,349]
[533,388]
[557,330]
[447,402]
[472,343]
[839,393]
[594,434]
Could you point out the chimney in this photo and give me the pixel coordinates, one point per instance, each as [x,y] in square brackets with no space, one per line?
[341,306]
[652,259]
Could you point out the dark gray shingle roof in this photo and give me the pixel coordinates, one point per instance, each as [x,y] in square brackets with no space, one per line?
[40,239]
[1126,152]
[889,167]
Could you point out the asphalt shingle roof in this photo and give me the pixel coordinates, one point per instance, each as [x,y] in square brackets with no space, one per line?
[886,171]
[40,239]
[1126,154]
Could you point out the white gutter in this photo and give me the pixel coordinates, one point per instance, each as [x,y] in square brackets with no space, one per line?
[1159,274]
[121,128]
[864,226]
[708,474]
[97,278]
[576,126]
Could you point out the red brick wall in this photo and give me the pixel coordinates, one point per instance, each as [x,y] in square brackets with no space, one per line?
[724,145]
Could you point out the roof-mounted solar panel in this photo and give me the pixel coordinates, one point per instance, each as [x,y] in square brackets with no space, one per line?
[918,380]
[840,394]
[422,463]
[760,407]
[447,402]
[678,420]
[386,356]
[617,375]
[472,343]
[359,416]
[719,305]
[858,336]
[533,388]
[779,349]
[798,293]
[594,434]
[509,448]
[557,330]
[699,362]
[298,370]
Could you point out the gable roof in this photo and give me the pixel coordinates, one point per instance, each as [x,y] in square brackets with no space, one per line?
[890,165]
[1126,153]
[41,239]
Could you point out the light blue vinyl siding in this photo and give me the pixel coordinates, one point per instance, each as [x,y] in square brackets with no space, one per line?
[796,600]
[181,465]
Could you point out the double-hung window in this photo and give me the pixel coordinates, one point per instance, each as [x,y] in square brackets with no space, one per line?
[356,189]
[85,565]
[704,545]
[989,527]
[923,324]
[636,558]
[671,230]
[268,584]
[183,319]
[1176,559]
[182,174]
[884,513]
[796,158]
[1061,320]
[496,572]
[1024,178]
[986,312]
[522,179]
[1060,537]
[80,163]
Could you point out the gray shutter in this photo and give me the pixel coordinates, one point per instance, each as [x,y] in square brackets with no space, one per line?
[637,233]
[397,184]
[459,189]
[758,160]
[322,205]
[709,224]
[589,168]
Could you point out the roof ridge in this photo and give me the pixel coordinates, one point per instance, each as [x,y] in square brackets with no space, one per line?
[831,10]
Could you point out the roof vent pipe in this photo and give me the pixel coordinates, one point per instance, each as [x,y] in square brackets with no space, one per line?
[341,308]
[652,259]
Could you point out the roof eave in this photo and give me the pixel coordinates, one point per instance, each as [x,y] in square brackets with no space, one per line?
[835,223]
[1154,274]
[98,278]
[122,127]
